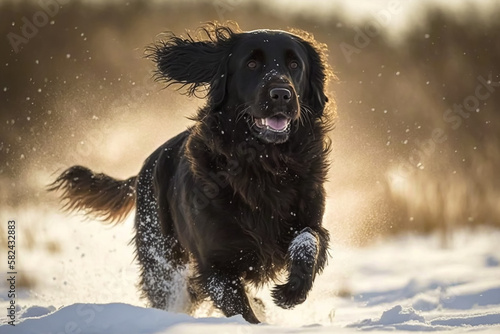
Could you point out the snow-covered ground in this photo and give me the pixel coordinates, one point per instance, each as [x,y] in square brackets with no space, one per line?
[83,281]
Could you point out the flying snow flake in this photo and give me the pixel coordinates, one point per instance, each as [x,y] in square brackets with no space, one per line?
[68,55]
[398,73]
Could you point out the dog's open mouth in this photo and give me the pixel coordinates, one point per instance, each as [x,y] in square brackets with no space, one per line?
[272,130]
[277,123]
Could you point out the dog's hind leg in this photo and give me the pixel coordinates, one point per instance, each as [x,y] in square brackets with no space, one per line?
[227,291]
[161,258]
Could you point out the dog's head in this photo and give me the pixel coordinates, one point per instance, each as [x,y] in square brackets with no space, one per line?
[271,79]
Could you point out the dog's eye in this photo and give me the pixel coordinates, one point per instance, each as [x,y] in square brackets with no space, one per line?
[252,64]
[293,65]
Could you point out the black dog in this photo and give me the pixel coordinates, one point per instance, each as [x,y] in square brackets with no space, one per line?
[239,196]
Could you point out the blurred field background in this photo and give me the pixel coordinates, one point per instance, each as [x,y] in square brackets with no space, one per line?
[79,91]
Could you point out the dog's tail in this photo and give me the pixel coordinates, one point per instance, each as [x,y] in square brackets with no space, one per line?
[97,195]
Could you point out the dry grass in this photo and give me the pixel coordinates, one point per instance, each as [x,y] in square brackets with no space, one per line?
[3,237]
[25,281]
[53,247]
[344,293]
[29,241]
[390,99]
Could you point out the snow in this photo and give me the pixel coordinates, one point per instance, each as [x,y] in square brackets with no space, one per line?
[405,283]
[115,318]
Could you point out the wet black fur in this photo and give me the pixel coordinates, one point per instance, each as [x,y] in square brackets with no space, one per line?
[221,200]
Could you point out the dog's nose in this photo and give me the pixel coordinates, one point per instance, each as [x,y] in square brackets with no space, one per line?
[280,94]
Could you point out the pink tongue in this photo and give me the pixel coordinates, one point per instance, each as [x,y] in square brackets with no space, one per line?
[277,123]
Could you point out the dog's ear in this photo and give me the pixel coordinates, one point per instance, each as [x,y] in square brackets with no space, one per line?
[318,73]
[194,64]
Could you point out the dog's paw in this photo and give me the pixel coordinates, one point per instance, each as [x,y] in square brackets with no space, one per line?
[290,294]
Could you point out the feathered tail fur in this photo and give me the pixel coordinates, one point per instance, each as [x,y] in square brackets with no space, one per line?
[97,195]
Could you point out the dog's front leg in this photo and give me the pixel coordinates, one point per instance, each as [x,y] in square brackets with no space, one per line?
[228,294]
[303,265]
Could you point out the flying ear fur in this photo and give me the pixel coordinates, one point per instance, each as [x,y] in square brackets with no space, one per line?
[195,64]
